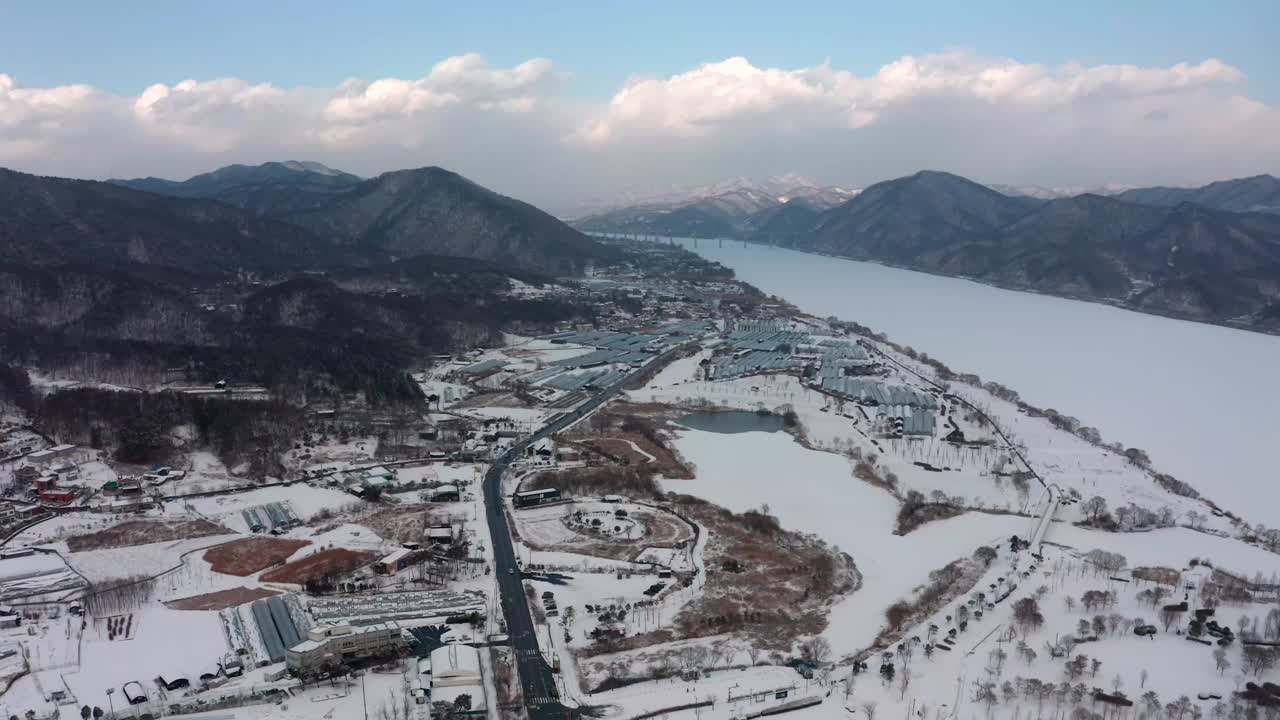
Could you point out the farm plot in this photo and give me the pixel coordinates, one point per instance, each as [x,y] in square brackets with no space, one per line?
[406,523]
[248,556]
[221,599]
[143,532]
[323,564]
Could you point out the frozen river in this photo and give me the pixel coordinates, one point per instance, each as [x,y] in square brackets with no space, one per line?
[1202,400]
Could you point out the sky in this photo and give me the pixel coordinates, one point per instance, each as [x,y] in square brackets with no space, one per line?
[569,103]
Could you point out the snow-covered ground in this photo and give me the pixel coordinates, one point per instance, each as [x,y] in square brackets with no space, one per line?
[303,499]
[816,492]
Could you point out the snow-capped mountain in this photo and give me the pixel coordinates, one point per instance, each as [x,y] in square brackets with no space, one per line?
[720,209]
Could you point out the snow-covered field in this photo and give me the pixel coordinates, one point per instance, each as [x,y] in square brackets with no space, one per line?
[154,649]
[39,574]
[303,499]
[106,566]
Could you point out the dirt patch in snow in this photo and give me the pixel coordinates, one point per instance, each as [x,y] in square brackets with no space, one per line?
[248,556]
[611,433]
[221,599]
[403,523]
[143,532]
[1162,575]
[319,566]
[492,399]
[616,449]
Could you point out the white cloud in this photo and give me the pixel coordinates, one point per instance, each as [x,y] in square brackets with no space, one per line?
[517,129]
[729,93]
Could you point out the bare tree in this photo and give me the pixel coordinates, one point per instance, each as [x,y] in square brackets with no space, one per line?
[869,708]
[1259,658]
[816,650]
[1026,612]
[1094,508]
[1220,660]
[997,658]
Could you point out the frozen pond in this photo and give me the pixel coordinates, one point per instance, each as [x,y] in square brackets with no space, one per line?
[732,421]
[1202,400]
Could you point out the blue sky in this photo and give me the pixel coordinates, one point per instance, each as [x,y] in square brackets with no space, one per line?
[638,97]
[124,46]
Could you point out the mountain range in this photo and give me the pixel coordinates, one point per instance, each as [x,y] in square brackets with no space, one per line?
[397,214]
[723,209]
[1210,253]
[312,281]
[1200,262]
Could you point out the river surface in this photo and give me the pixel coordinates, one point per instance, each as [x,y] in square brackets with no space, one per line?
[1202,400]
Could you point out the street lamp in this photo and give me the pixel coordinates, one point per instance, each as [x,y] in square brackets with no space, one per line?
[111,703]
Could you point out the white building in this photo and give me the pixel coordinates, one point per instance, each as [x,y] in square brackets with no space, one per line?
[341,643]
[455,671]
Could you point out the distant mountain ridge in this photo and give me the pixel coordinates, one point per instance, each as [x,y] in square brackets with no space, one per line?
[45,220]
[1041,192]
[397,214]
[1260,193]
[265,189]
[1187,260]
[433,210]
[723,209]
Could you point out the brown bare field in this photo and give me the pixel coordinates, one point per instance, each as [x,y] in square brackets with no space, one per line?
[334,561]
[785,583]
[248,556]
[646,425]
[403,523]
[143,532]
[615,449]
[763,582]
[221,599]
[491,399]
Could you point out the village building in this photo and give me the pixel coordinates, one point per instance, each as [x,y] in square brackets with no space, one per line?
[455,671]
[441,534]
[49,456]
[398,560]
[444,493]
[339,644]
[530,498]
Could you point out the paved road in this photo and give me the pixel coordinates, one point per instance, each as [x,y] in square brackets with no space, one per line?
[541,696]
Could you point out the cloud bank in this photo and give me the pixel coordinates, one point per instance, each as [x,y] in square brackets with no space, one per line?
[521,130]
